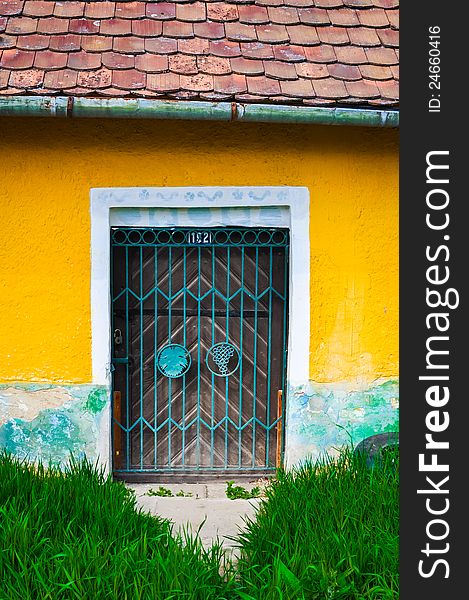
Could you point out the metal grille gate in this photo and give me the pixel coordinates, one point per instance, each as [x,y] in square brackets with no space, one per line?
[199,320]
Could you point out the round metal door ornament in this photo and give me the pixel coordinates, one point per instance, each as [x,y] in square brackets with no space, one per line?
[173,361]
[223,359]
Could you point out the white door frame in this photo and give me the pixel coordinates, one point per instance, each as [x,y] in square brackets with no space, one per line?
[228,206]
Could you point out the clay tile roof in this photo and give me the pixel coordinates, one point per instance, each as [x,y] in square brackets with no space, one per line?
[310,52]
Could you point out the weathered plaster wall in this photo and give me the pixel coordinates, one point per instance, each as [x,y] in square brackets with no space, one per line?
[47,168]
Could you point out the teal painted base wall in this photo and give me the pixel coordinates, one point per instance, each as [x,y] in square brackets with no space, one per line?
[49,422]
[322,417]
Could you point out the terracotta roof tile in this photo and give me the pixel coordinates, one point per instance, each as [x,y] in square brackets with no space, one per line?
[11,7]
[147,28]
[321,54]
[350,55]
[164,82]
[8,41]
[330,88]
[333,35]
[312,70]
[314,16]
[328,3]
[69,9]
[36,8]
[66,43]
[274,34]
[382,56]
[389,37]
[52,25]
[302,88]
[375,72]
[386,3]
[280,70]
[389,90]
[196,46]
[84,60]
[21,25]
[34,41]
[286,15]
[222,11]
[240,32]
[210,30]
[60,80]
[151,63]
[375,17]
[197,83]
[115,27]
[161,10]
[312,52]
[83,26]
[101,78]
[346,72]
[257,50]
[17,59]
[224,48]
[113,60]
[289,53]
[361,36]
[345,17]
[263,86]
[303,35]
[48,60]
[95,43]
[247,66]
[191,12]
[129,45]
[393,17]
[183,64]
[253,14]
[215,65]
[178,29]
[161,45]
[363,89]
[100,10]
[130,10]
[29,78]
[130,79]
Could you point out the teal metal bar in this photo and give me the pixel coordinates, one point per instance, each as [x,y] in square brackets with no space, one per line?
[212,417]
[155,351]
[241,327]
[198,361]
[141,353]
[254,384]
[184,343]
[170,381]
[127,373]
[269,366]
[227,336]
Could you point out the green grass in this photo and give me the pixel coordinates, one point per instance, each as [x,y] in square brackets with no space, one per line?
[326,531]
[78,535]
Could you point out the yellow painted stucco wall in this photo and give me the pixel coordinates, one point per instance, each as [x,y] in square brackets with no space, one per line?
[48,166]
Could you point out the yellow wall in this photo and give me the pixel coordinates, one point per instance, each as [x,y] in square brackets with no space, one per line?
[47,167]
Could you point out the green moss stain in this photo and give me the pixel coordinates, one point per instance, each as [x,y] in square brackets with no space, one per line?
[96,400]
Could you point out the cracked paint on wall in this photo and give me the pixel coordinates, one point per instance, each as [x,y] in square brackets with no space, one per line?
[322,417]
[49,423]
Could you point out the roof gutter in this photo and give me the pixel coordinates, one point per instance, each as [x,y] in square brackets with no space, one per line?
[141,108]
